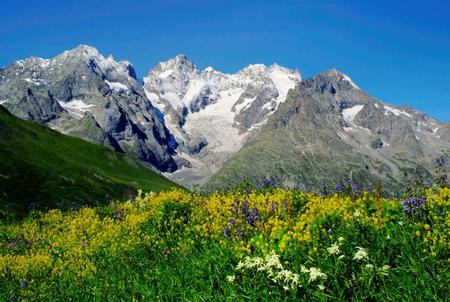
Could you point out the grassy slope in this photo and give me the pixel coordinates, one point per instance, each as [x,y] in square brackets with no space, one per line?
[42,167]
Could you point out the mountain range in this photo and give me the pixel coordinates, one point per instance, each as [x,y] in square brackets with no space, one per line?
[208,128]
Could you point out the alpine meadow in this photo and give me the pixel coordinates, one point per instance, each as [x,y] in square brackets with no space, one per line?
[206,171]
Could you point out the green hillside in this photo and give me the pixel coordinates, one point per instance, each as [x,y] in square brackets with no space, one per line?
[41,168]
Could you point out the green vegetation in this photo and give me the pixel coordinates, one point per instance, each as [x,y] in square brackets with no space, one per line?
[41,168]
[272,244]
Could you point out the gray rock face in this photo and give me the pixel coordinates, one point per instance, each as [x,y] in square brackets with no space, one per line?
[212,114]
[81,93]
[215,129]
[329,129]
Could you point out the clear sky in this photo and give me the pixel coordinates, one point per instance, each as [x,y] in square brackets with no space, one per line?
[398,51]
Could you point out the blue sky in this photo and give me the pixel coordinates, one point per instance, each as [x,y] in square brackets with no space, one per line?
[398,51]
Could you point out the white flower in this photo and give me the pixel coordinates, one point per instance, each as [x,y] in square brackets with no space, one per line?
[321,287]
[388,237]
[277,277]
[385,269]
[400,222]
[273,261]
[315,273]
[240,265]
[231,278]
[357,214]
[257,262]
[369,266]
[341,257]
[341,239]
[286,275]
[361,254]
[304,269]
[334,249]
[252,262]
[286,288]
[270,273]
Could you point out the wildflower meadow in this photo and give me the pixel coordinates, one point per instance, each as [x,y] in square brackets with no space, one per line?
[242,245]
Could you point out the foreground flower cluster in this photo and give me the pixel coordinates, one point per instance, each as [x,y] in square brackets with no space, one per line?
[291,240]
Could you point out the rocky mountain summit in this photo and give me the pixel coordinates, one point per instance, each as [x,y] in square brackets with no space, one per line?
[329,129]
[84,94]
[202,126]
[212,114]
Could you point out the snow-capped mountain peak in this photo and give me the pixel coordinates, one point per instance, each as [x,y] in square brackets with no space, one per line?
[219,110]
[178,65]
[81,51]
[254,70]
[191,121]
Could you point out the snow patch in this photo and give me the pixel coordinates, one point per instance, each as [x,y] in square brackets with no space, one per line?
[151,96]
[349,114]
[76,108]
[269,106]
[2,102]
[347,78]
[283,81]
[395,112]
[349,129]
[116,86]
[31,81]
[45,63]
[244,105]
[165,74]
[155,100]
[355,128]
[342,135]
[193,90]
[215,123]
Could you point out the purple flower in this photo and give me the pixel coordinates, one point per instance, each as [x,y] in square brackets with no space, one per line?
[244,207]
[273,206]
[413,206]
[324,188]
[23,284]
[440,161]
[339,188]
[232,221]
[226,231]
[253,216]
[266,183]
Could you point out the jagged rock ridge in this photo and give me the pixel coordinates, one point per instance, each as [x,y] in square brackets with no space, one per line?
[84,94]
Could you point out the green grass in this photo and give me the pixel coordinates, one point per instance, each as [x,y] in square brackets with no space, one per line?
[177,251]
[41,168]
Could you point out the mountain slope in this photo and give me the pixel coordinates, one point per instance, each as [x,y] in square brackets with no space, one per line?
[329,129]
[212,114]
[199,126]
[42,168]
[82,93]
